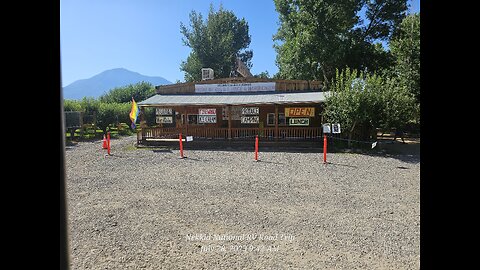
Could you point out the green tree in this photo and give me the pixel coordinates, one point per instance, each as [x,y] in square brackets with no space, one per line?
[263,75]
[316,37]
[72,105]
[362,102]
[405,48]
[112,114]
[216,43]
[139,91]
[90,105]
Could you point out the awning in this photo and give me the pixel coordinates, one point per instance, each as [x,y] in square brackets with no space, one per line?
[234,99]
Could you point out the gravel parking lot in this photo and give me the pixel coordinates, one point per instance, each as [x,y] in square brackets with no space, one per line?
[148,209]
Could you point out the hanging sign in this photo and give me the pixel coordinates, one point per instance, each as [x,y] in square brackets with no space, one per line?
[250,120]
[326,128]
[164,120]
[336,128]
[250,110]
[207,119]
[299,121]
[300,112]
[163,111]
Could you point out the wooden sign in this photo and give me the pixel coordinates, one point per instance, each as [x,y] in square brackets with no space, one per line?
[163,111]
[299,122]
[164,120]
[300,112]
[250,119]
[250,110]
[207,119]
[207,111]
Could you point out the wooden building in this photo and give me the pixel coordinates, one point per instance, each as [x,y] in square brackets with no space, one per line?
[236,109]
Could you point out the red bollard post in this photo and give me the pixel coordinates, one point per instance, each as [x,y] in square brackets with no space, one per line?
[324,148]
[181,145]
[108,143]
[104,142]
[256,148]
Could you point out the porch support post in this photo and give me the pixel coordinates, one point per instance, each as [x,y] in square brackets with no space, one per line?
[229,113]
[186,120]
[143,125]
[143,122]
[276,122]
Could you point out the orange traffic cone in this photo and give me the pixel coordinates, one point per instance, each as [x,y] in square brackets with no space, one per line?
[104,142]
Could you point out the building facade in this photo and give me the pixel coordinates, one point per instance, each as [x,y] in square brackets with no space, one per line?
[236,109]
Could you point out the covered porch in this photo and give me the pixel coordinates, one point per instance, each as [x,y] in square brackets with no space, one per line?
[234,117]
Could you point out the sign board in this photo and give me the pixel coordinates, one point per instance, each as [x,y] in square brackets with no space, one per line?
[73,119]
[336,128]
[207,111]
[189,138]
[250,119]
[326,128]
[300,112]
[250,110]
[299,122]
[242,69]
[236,113]
[163,111]
[164,120]
[235,87]
[207,119]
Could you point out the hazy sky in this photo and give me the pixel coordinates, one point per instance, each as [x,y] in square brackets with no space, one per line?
[144,35]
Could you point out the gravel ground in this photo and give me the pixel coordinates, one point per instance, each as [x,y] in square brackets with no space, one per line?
[148,209]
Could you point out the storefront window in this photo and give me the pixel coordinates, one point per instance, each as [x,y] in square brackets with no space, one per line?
[282,121]
[192,119]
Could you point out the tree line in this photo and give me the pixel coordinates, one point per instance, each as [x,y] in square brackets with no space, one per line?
[114,106]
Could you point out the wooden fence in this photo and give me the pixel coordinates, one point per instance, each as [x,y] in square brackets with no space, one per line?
[283,133]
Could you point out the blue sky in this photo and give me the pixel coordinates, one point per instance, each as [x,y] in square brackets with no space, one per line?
[144,35]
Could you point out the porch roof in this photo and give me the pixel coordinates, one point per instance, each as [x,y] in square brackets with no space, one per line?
[234,99]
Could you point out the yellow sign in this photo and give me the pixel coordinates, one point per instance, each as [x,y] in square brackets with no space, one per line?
[300,112]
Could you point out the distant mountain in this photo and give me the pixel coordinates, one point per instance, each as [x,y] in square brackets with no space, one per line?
[109,79]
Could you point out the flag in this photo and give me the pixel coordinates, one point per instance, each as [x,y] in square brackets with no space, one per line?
[134,113]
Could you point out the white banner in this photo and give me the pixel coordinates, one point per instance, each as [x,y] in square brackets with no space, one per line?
[235,87]
[250,120]
[207,119]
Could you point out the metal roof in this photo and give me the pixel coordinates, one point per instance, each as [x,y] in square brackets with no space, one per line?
[234,99]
